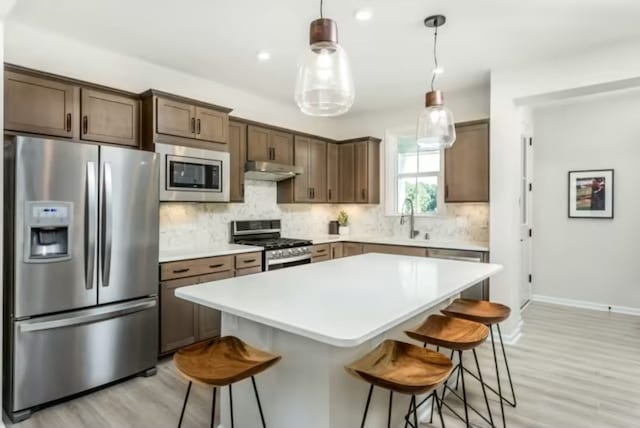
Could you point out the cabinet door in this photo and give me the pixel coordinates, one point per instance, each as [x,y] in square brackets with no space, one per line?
[109,118]
[332,173]
[211,125]
[347,173]
[177,316]
[39,106]
[282,147]
[318,170]
[395,249]
[208,320]
[249,271]
[175,118]
[361,172]
[258,148]
[467,165]
[301,187]
[351,249]
[238,157]
[337,250]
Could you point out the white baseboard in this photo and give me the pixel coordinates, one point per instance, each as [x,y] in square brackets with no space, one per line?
[586,305]
[514,336]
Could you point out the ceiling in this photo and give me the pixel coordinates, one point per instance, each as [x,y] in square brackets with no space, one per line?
[390,54]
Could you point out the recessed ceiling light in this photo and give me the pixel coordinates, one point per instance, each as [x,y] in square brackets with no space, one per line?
[264,56]
[364,14]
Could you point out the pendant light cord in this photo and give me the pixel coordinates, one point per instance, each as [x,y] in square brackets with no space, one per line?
[321,8]
[435,58]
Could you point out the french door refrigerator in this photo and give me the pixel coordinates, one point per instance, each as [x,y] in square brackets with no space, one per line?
[81,268]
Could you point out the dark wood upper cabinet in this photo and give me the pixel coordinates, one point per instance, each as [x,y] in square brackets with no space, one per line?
[333,180]
[238,157]
[211,125]
[40,105]
[269,145]
[282,145]
[109,118]
[311,185]
[175,118]
[467,164]
[171,119]
[347,172]
[361,171]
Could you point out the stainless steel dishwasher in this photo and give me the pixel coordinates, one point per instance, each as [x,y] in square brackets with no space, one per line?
[480,291]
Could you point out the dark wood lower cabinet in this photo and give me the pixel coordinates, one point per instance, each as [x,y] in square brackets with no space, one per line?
[177,316]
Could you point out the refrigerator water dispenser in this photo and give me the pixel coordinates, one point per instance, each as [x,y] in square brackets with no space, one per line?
[49,226]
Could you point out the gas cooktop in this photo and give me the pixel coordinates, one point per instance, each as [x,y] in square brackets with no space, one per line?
[273,243]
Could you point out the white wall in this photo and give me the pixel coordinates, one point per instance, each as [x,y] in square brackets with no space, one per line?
[37,49]
[598,69]
[584,259]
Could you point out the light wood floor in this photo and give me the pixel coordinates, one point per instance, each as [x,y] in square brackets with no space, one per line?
[571,368]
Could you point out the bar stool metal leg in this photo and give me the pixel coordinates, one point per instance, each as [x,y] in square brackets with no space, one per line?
[464,390]
[255,389]
[506,363]
[495,360]
[231,403]
[390,404]
[366,407]
[184,406]
[213,406]
[484,389]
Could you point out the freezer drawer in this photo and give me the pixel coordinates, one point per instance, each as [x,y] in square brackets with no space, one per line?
[60,355]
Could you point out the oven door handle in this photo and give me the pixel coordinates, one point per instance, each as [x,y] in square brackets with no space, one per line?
[289,259]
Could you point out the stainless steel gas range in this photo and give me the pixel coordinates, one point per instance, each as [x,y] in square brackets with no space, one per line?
[278,252]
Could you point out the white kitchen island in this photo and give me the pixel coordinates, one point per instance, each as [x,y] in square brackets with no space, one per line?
[321,317]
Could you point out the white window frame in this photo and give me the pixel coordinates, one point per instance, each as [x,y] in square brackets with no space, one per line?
[391,175]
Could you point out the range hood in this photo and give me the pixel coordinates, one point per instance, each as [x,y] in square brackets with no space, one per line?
[269,171]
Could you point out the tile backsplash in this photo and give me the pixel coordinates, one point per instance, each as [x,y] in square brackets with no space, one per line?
[197,225]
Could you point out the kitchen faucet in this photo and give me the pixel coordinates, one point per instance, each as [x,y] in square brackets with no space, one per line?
[412,225]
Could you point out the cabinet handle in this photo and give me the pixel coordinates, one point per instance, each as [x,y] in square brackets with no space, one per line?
[68,122]
[273,149]
[363,194]
[216,266]
[249,261]
[324,250]
[329,194]
[333,253]
[313,191]
[85,124]
[446,190]
[193,125]
[242,190]
[198,127]
[181,270]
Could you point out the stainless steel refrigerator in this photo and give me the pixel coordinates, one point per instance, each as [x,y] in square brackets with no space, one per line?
[81,268]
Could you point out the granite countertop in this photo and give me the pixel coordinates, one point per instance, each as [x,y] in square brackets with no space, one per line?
[175,254]
[342,302]
[418,242]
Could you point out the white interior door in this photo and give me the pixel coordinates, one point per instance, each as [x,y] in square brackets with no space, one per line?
[526,223]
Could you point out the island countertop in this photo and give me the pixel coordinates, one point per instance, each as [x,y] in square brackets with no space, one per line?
[342,302]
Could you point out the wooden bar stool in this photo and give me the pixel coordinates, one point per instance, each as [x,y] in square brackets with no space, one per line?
[219,363]
[403,368]
[488,313]
[458,335]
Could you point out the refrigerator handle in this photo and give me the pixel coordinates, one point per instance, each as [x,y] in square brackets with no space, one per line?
[88,317]
[91,225]
[107,219]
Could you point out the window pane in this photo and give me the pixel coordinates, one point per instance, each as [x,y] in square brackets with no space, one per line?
[408,163]
[424,196]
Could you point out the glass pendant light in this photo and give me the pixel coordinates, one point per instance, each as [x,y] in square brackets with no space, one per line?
[324,86]
[436,127]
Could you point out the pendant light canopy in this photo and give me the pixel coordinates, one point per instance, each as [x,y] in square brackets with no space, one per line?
[436,127]
[324,86]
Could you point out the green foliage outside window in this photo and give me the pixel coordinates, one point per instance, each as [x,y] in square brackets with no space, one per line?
[427,200]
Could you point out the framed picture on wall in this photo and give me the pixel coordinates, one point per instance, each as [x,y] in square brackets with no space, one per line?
[591,194]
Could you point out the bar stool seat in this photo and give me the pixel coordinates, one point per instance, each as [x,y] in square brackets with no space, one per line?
[222,362]
[451,333]
[481,311]
[403,368]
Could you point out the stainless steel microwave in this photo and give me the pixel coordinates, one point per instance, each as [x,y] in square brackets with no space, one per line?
[193,175]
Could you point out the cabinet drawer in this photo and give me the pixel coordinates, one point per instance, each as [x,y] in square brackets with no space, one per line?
[194,267]
[321,258]
[216,276]
[248,260]
[321,250]
[249,271]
